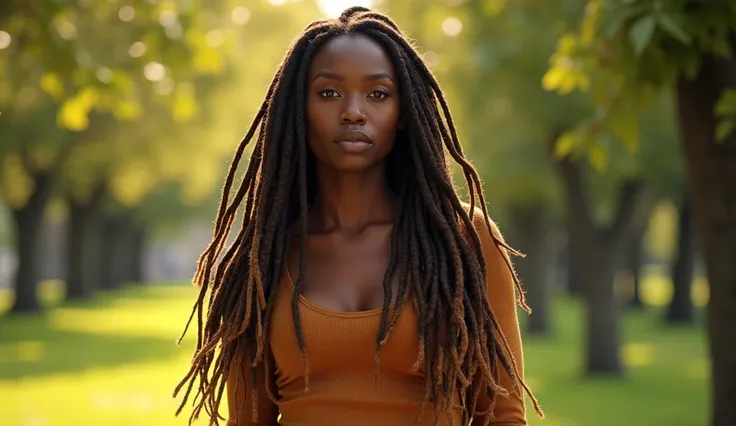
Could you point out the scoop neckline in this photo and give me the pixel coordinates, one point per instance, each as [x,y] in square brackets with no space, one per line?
[329,312]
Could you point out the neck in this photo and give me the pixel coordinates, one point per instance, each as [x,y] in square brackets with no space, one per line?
[351,201]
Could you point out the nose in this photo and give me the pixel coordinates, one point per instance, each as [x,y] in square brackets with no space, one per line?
[353,112]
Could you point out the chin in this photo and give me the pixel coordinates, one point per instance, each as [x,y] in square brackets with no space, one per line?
[356,164]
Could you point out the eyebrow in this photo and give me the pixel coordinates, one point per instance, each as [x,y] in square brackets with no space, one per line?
[334,76]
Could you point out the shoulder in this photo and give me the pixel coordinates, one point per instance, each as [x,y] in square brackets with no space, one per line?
[502,282]
[485,228]
[496,253]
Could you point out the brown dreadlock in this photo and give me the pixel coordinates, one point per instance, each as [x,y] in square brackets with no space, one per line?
[443,269]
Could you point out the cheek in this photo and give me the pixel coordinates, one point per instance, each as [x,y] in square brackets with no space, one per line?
[390,122]
[319,124]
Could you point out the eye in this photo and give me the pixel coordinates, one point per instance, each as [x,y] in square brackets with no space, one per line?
[328,93]
[379,94]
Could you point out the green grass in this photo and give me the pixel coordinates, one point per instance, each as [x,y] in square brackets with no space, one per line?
[114,362]
[665,383]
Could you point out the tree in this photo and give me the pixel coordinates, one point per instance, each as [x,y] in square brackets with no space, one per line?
[681,310]
[601,250]
[506,59]
[621,54]
[521,172]
[26,185]
[160,173]
[57,66]
[495,123]
[645,176]
[634,260]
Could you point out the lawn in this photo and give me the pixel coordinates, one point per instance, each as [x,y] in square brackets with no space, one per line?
[114,362]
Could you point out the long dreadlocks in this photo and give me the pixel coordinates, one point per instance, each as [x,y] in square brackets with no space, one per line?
[441,262]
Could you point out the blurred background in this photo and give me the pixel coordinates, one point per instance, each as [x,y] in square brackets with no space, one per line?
[602,131]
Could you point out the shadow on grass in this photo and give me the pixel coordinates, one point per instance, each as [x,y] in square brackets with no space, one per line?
[52,294]
[32,345]
[103,299]
[27,351]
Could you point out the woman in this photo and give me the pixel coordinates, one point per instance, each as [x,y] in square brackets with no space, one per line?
[360,290]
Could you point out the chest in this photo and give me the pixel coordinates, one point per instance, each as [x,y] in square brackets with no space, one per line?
[339,341]
[345,275]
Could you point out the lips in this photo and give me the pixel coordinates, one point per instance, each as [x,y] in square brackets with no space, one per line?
[353,136]
[353,142]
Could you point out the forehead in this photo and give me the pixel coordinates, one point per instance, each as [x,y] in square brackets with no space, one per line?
[352,53]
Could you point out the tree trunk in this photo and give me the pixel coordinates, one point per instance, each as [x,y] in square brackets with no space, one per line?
[529,232]
[711,172]
[28,225]
[601,252]
[138,252]
[574,259]
[112,250]
[85,245]
[118,263]
[681,309]
[634,263]
[77,285]
[603,335]
[128,231]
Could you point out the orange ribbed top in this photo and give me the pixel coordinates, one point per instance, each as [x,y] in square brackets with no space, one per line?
[343,389]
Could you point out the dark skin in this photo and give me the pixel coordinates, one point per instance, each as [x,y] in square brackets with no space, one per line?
[352,115]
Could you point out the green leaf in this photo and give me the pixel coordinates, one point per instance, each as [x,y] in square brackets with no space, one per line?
[493,7]
[671,25]
[590,23]
[553,78]
[726,110]
[691,66]
[726,105]
[185,103]
[566,144]
[16,186]
[52,84]
[641,33]
[622,15]
[614,28]
[720,46]
[724,128]
[73,112]
[127,109]
[598,157]
[626,127]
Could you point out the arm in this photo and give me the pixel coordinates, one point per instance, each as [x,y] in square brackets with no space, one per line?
[508,411]
[240,398]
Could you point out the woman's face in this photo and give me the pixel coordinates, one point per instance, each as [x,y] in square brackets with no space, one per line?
[352,104]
